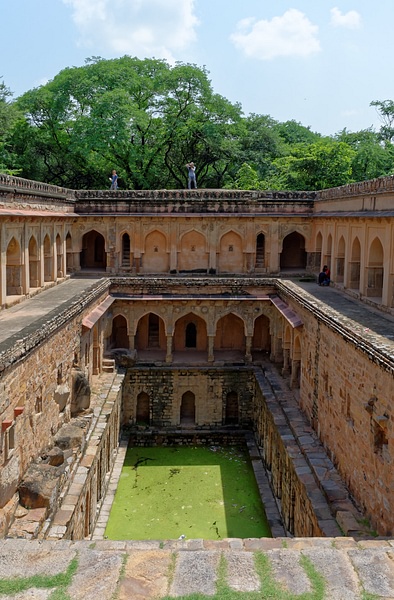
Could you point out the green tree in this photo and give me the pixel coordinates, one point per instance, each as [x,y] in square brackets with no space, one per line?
[142,117]
[8,117]
[372,158]
[322,164]
[385,109]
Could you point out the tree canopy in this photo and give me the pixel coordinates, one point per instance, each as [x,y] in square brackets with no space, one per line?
[147,119]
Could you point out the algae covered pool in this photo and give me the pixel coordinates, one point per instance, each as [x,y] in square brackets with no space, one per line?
[187,492]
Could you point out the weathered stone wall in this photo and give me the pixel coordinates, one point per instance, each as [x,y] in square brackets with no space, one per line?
[346,389]
[165,388]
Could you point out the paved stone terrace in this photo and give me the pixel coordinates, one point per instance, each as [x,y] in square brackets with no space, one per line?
[142,570]
[117,570]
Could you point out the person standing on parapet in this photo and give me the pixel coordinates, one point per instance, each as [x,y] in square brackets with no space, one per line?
[191,169]
[114,180]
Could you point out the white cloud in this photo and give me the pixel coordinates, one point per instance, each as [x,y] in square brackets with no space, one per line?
[350,20]
[143,28]
[292,34]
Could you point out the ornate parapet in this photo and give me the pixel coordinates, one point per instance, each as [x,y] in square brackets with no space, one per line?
[380,185]
[193,201]
[17,189]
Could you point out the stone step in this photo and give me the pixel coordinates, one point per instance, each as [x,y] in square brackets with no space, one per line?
[141,570]
[108,365]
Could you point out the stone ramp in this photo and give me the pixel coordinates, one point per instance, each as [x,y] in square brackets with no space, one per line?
[132,570]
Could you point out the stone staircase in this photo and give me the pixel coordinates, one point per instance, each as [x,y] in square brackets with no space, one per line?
[108,365]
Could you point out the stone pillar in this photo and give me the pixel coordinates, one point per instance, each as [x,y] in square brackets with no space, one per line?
[25,264]
[169,349]
[286,361]
[295,372]
[248,351]
[3,267]
[211,357]
[131,341]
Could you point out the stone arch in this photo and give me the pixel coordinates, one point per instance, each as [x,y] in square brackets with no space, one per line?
[69,253]
[318,251]
[319,242]
[93,255]
[150,332]
[328,254]
[260,252]
[261,340]
[231,416]
[59,257]
[375,269]
[125,250]
[293,255]
[14,268]
[230,333]
[142,411]
[183,333]
[354,267]
[156,258]
[188,409]
[34,263]
[48,259]
[340,262]
[230,253]
[119,333]
[192,253]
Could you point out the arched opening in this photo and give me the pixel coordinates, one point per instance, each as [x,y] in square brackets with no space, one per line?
[188,409]
[355,265]
[14,268]
[375,269]
[191,335]
[327,257]
[318,252]
[261,341]
[142,413]
[230,253]
[125,250]
[34,265]
[93,255]
[230,333]
[260,252]
[190,332]
[69,253]
[59,257]
[293,255]
[119,336]
[193,256]
[232,409]
[156,258]
[150,333]
[340,262]
[48,259]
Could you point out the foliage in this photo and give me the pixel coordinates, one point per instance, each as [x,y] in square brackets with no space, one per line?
[147,119]
[60,581]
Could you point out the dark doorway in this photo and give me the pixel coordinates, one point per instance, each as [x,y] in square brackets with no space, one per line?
[232,417]
[142,411]
[153,331]
[188,409]
[293,254]
[191,336]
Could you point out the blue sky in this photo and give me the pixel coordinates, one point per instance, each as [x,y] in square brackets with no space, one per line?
[319,62]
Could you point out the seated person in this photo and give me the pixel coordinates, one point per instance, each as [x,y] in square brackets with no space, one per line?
[323,279]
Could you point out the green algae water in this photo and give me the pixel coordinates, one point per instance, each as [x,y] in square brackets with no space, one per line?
[192,492]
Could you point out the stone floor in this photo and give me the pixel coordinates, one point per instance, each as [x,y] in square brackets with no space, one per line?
[152,570]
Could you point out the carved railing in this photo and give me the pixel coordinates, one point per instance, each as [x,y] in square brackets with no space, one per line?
[380,185]
[19,185]
[203,194]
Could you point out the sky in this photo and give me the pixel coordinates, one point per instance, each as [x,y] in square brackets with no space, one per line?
[318,62]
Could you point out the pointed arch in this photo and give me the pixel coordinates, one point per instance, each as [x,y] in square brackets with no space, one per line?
[261,340]
[340,262]
[150,333]
[59,257]
[188,409]
[232,409]
[125,251]
[93,255]
[69,253]
[34,264]
[260,252]
[375,269]
[354,266]
[14,268]
[119,333]
[230,253]
[142,411]
[193,255]
[230,333]
[156,258]
[190,329]
[48,259]
[293,255]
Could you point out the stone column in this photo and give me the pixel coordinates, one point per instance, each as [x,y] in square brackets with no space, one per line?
[3,267]
[295,371]
[211,357]
[286,361]
[25,263]
[169,349]
[248,351]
